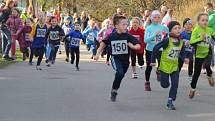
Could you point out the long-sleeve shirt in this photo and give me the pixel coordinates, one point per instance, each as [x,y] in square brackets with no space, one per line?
[75,38]
[202,45]
[150,38]
[164,44]
[90,35]
[54,35]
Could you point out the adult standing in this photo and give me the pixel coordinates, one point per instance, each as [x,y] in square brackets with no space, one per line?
[5,33]
[84,21]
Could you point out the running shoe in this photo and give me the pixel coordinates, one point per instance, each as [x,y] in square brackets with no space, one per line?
[192,93]
[170,105]
[147,86]
[113,96]
[211,81]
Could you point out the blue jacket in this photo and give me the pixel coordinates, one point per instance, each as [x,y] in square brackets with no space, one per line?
[189,51]
[68,28]
[150,37]
[90,35]
[75,38]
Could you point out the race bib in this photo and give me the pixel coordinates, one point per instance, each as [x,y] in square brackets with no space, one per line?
[203,44]
[189,48]
[158,38]
[90,37]
[75,42]
[41,32]
[27,36]
[174,53]
[119,47]
[54,35]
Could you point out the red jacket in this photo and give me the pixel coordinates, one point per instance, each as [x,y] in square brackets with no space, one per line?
[139,34]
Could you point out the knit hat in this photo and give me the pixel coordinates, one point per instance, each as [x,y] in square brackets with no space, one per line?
[172,24]
[154,14]
[187,20]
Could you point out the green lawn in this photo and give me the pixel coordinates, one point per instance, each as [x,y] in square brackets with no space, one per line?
[5,63]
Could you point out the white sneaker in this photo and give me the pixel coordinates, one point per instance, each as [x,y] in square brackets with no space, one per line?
[134,76]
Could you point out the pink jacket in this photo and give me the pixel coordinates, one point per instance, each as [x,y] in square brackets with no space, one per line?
[15,25]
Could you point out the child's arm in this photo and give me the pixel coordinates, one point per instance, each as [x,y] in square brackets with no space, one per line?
[149,36]
[162,44]
[195,38]
[33,31]
[134,47]
[20,28]
[100,50]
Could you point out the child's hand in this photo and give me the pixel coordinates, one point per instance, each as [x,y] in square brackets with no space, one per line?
[186,61]
[130,45]
[152,64]
[203,36]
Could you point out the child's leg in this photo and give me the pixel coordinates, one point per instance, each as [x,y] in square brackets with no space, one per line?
[94,49]
[40,53]
[66,44]
[120,73]
[133,62]
[180,64]
[190,68]
[140,59]
[55,52]
[21,44]
[174,85]
[31,55]
[77,52]
[164,81]
[72,51]
[197,70]
[108,57]
[13,46]
[148,67]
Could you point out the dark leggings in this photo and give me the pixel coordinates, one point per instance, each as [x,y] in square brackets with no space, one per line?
[38,52]
[120,68]
[139,57]
[75,53]
[67,49]
[148,61]
[190,66]
[197,70]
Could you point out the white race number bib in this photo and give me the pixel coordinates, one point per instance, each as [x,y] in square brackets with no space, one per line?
[41,32]
[54,35]
[174,53]
[119,47]
[75,42]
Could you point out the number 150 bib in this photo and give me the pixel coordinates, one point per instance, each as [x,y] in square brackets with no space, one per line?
[119,47]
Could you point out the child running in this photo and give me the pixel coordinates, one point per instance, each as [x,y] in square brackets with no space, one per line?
[137,32]
[104,33]
[53,36]
[189,51]
[153,35]
[15,26]
[38,45]
[91,34]
[27,38]
[120,42]
[201,40]
[67,27]
[75,38]
[169,61]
